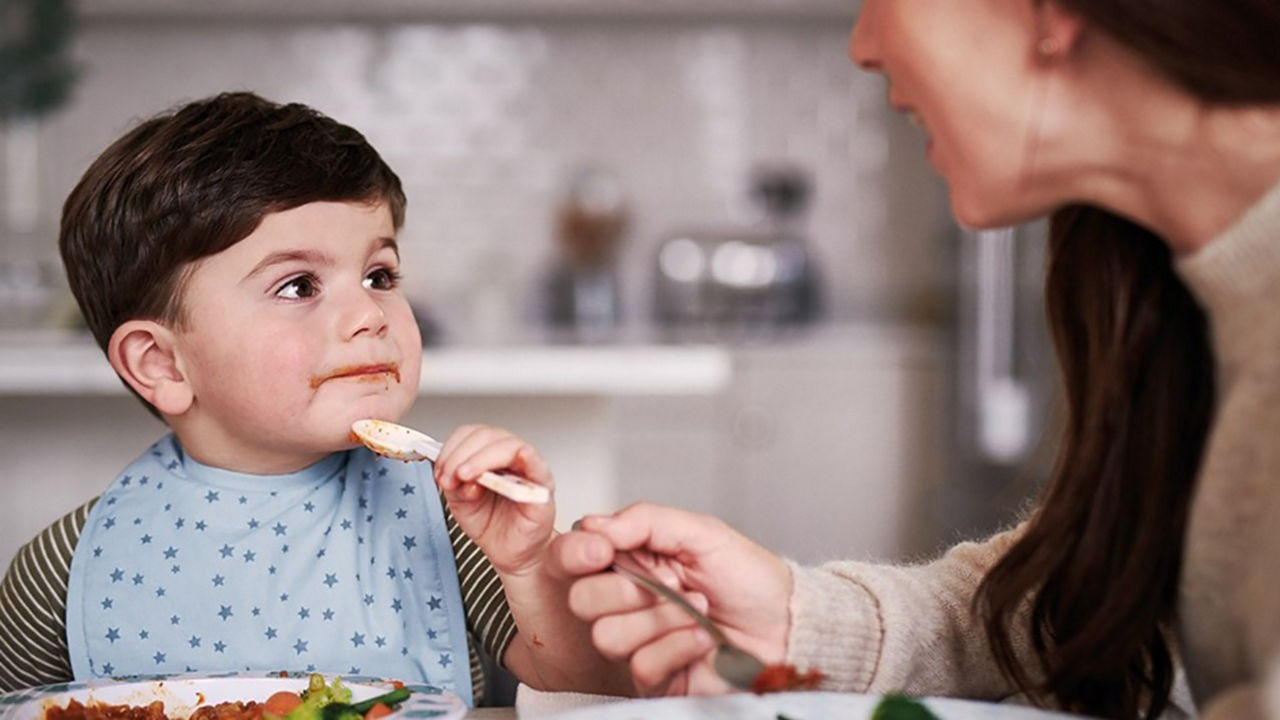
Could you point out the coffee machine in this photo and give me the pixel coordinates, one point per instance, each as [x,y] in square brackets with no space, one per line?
[719,282]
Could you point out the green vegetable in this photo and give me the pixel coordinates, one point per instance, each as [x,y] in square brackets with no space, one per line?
[901,707]
[390,699]
[332,701]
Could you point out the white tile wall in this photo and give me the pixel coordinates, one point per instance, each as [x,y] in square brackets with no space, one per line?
[483,122]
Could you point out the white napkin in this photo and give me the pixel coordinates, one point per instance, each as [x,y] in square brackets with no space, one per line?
[532,704]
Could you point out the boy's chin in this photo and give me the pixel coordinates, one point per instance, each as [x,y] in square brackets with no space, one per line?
[383,407]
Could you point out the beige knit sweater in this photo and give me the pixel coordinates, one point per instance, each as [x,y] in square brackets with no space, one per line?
[876,628]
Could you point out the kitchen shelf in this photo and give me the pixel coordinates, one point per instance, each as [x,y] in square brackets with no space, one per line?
[387,10]
[57,364]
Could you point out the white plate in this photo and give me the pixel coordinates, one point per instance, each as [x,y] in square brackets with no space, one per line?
[184,693]
[795,706]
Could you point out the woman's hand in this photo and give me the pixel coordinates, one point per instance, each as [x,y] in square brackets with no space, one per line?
[745,589]
[513,535]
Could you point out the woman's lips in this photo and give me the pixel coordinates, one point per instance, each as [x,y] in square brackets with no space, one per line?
[360,373]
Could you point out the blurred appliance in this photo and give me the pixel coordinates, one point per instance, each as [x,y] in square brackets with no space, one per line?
[1006,379]
[581,289]
[735,278]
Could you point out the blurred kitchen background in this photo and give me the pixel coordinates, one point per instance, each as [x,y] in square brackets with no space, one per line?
[683,247]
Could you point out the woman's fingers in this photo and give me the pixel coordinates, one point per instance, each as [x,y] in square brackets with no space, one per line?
[654,665]
[660,529]
[597,596]
[618,636]
[580,553]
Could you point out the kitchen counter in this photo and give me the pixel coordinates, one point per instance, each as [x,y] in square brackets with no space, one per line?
[51,363]
[57,391]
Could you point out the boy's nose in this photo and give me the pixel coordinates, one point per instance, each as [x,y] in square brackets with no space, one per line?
[365,317]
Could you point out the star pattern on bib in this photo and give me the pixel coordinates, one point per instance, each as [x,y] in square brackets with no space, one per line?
[278,578]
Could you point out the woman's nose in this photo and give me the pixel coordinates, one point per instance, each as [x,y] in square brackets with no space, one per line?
[864,44]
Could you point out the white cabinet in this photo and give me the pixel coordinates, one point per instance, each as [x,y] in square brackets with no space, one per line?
[823,448]
[67,426]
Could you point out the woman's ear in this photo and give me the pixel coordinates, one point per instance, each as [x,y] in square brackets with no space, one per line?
[1058,32]
[144,353]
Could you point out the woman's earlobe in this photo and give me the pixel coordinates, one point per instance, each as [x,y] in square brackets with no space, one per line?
[144,354]
[1057,32]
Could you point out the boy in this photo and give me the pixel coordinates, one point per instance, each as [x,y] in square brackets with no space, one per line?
[236,260]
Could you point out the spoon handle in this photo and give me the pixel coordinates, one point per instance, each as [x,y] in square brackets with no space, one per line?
[427,447]
[626,566]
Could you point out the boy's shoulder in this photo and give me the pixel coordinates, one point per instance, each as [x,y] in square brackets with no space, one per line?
[36,581]
[58,540]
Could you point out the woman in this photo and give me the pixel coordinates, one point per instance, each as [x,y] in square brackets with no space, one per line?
[1151,132]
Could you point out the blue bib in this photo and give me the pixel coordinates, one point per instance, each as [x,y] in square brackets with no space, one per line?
[343,567]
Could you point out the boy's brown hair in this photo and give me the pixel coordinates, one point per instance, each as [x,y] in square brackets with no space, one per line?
[194,181]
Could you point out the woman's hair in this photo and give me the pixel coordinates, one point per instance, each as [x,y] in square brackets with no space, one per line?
[1099,561]
[1101,556]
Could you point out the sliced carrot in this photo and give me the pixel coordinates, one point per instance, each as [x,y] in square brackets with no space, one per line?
[377,711]
[282,703]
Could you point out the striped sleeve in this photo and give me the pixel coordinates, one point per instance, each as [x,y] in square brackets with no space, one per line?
[33,606]
[483,599]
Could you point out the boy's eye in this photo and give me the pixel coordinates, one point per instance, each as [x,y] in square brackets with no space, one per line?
[382,279]
[299,288]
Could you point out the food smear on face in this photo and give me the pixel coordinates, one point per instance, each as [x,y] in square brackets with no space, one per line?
[359,373]
[782,678]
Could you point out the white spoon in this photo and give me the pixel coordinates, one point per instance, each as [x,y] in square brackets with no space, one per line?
[401,443]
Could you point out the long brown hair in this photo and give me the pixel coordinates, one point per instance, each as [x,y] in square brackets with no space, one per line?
[1099,561]
[1101,556]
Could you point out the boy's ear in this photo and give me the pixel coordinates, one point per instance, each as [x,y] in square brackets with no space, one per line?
[144,353]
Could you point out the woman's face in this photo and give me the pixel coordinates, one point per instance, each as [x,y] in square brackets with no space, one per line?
[966,71]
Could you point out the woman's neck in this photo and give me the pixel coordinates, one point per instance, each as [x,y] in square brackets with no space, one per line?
[1191,179]
[1130,141]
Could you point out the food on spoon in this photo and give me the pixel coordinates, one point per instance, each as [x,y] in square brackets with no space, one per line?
[782,677]
[401,443]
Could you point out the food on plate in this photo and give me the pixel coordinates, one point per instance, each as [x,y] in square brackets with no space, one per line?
[781,678]
[97,711]
[319,701]
[901,707]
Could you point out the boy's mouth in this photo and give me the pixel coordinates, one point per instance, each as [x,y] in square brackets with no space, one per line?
[360,373]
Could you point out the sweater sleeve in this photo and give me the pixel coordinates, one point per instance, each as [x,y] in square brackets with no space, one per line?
[883,628]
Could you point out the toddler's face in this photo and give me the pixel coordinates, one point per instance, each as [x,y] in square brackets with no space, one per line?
[292,334]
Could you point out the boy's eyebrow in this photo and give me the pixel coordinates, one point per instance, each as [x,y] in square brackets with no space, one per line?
[277,258]
[389,242]
[311,256]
